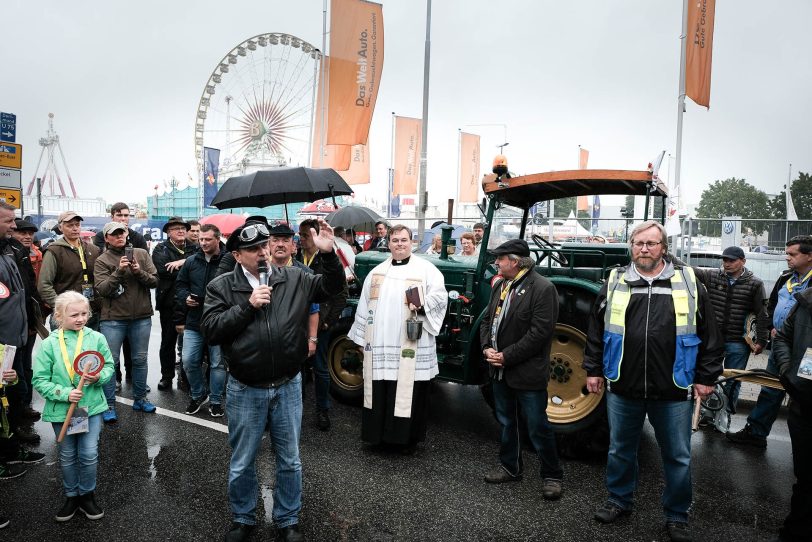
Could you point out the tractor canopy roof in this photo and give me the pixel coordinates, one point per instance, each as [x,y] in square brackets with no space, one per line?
[526,190]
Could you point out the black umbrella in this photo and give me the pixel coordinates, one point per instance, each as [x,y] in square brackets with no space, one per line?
[280,186]
[352,215]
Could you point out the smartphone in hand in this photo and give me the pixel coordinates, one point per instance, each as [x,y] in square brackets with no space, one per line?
[128,253]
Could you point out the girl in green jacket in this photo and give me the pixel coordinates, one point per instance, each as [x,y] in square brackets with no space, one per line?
[55,379]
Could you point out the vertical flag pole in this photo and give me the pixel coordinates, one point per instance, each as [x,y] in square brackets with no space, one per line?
[681,100]
[421,187]
[459,166]
[324,96]
[391,181]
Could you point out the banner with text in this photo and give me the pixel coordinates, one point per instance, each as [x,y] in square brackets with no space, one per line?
[408,139]
[211,166]
[356,63]
[335,156]
[358,172]
[699,50]
[469,168]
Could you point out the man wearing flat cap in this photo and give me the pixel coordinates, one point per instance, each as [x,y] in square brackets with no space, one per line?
[516,336]
[736,293]
[123,281]
[168,258]
[257,313]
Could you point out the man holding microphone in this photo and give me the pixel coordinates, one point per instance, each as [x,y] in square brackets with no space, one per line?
[257,314]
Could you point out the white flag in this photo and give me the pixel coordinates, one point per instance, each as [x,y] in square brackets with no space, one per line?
[791,214]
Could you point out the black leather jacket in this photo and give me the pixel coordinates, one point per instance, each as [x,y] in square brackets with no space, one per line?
[261,346]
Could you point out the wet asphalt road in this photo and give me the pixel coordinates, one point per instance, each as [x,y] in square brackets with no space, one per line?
[163,477]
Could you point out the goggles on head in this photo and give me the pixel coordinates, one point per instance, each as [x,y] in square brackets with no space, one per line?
[252,231]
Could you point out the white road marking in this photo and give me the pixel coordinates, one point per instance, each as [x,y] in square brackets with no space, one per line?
[182,417]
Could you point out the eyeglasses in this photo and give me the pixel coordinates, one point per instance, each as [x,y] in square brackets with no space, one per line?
[648,244]
[252,231]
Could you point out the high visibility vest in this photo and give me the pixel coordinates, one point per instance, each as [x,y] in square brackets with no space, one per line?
[684,296]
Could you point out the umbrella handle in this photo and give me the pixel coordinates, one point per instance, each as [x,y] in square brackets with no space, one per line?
[332,195]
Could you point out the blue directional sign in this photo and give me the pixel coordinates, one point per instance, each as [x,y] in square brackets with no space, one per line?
[8,127]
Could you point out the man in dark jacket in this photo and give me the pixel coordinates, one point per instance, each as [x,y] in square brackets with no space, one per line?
[257,314]
[797,279]
[168,258]
[792,351]
[653,337]
[516,335]
[735,293]
[190,291]
[329,314]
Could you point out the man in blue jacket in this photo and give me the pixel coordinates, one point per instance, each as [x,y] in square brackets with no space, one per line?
[654,340]
[190,291]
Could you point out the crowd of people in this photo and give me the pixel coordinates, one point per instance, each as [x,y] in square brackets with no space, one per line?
[239,319]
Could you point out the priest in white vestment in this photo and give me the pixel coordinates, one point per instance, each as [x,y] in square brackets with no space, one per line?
[398,368]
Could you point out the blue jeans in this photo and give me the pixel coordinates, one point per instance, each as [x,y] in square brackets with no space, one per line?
[736,357]
[193,345]
[249,409]
[79,458]
[764,414]
[320,373]
[672,427]
[534,407]
[137,331]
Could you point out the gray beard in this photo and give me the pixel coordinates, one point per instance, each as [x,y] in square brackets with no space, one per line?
[645,266]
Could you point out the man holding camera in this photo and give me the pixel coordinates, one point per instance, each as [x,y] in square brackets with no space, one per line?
[257,314]
[123,278]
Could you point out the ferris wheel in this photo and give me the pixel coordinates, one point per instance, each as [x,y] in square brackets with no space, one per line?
[257,105]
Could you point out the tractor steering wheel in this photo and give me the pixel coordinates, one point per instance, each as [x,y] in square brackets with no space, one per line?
[556,254]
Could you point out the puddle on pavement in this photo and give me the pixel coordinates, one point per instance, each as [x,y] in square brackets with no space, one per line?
[267,502]
[152,452]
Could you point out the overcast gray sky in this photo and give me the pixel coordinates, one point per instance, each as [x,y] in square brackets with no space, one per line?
[124,80]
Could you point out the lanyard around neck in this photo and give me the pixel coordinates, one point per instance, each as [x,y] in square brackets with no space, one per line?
[64,347]
[506,287]
[307,261]
[791,285]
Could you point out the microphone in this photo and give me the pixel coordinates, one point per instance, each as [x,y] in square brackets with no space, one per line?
[262,268]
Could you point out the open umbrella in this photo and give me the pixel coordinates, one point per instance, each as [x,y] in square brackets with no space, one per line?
[226,223]
[280,186]
[318,207]
[351,216]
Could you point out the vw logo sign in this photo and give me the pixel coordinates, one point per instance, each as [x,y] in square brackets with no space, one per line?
[727,227]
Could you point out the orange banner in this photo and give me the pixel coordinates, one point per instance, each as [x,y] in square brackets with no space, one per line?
[469,168]
[583,158]
[408,139]
[335,156]
[582,203]
[358,172]
[356,63]
[699,50]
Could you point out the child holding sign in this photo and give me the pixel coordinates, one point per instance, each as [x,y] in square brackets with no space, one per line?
[56,379]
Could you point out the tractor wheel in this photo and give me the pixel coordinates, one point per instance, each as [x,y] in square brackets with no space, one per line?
[345,364]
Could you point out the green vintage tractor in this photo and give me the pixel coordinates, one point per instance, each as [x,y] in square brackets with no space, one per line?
[578,271]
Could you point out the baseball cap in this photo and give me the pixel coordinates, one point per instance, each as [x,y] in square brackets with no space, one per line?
[733,253]
[112,227]
[66,216]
